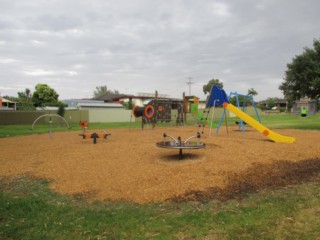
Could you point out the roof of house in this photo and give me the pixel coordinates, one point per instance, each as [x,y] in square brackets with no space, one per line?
[100,105]
[117,97]
[74,102]
[6,100]
[109,97]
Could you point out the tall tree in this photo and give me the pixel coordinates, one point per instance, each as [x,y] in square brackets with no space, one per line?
[44,95]
[100,91]
[103,90]
[25,96]
[24,100]
[252,92]
[302,77]
[213,82]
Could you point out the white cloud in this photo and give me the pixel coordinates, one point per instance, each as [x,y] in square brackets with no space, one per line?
[5,88]
[37,43]
[220,9]
[39,73]
[71,73]
[47,73]
[7,60]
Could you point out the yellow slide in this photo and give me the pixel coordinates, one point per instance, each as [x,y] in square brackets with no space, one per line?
[258,126]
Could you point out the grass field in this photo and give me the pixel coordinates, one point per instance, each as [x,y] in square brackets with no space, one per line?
[281,121]
[29,210]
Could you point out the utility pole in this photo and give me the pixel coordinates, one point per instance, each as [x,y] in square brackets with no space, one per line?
[189,83]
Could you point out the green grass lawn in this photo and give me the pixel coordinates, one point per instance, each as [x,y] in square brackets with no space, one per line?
[291,121]
[29,210]
[19,130]
[281,121]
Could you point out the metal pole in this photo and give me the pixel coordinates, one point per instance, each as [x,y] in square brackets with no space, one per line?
[189,83]
[50,126]
[214,104]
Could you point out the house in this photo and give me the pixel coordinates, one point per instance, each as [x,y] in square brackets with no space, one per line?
[87,104]
[6,104]
[90,106]
[278,103]
[72,103]
[140,100]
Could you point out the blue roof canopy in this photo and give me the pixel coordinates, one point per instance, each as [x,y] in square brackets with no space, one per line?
[217,97]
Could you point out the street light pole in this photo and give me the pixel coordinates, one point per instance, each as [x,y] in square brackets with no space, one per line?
[189,83]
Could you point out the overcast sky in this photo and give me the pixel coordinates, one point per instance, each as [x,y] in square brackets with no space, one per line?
[145,45]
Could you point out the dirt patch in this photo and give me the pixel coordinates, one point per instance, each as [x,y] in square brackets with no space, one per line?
[258,177]
[128,165]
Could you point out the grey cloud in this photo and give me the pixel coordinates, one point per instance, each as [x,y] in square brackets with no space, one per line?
[140,46]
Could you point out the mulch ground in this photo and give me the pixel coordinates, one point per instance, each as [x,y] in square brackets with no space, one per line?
[128,166]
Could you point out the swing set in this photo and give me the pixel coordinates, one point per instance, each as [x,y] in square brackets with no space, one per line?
[241,103]
[216,99]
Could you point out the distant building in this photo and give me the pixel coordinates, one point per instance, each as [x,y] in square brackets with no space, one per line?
[86,104]
[122,98]
[279,103]
[6,104]
[307,103]
[141,99]
[72,103]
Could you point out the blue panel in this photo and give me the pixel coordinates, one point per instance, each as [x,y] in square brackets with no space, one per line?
[217,96]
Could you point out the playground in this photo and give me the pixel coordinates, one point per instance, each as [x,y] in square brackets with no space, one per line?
[128,166]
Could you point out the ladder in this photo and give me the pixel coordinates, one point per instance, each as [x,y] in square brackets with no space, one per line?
[204,117]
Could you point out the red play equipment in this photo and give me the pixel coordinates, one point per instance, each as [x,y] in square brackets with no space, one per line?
[84,125]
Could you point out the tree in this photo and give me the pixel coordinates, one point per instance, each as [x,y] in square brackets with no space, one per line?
[271,102]
[302,77]
[100,91]
[44,96]
[212,82]
[24,100]
[103,90]
[128,105]
[61,109]
[252,92]
[25,96]
[242,100]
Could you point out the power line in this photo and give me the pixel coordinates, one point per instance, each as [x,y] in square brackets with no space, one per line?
[189,84]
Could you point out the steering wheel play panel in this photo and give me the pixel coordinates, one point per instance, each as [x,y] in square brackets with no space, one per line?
[179,144]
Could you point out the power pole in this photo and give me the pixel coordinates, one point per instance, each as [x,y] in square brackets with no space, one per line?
[189,83]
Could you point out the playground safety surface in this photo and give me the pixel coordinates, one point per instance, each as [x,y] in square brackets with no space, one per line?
[127,166]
